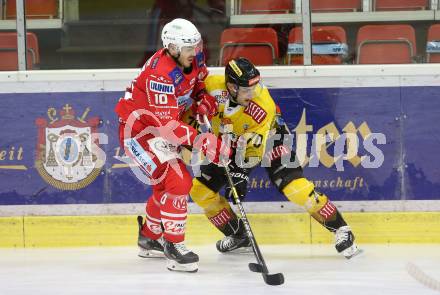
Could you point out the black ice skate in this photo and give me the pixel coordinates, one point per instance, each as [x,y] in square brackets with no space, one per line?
[179,258]
[149,248]
[236,243]
[345,242]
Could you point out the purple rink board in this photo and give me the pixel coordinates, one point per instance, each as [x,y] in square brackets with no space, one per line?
[34,170]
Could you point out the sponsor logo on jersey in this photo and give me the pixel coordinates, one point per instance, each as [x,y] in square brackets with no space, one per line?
[180,203]
[164,115]
[221,96]
[221,219]
[176,75]
[200,57]
[154,63]
[141,156]
[256,112]
[161,87]
[155,228]
[175,227]
[328,210]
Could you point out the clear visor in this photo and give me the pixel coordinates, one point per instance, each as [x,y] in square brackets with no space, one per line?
[192,49]
[250,92]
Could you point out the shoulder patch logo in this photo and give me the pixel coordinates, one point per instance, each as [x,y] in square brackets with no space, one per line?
[161,87]
[256,112]
[176,75]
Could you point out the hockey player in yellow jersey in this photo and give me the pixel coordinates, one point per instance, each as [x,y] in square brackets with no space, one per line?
[248,114]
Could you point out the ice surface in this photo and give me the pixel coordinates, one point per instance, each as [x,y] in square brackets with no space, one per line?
[308,269]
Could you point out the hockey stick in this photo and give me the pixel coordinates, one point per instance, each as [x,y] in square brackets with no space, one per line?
[260,266]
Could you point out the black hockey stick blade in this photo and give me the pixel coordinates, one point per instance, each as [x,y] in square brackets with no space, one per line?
[273,279]
[270,279]
[255,267]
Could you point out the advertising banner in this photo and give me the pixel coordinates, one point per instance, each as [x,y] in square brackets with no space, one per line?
[355,144]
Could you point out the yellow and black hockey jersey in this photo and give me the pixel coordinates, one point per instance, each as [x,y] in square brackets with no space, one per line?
[252,123]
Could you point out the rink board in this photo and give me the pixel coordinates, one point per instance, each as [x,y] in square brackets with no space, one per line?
[277,228]
[401,163]
[97,208]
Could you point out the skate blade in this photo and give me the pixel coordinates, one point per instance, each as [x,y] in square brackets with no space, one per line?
[242,250]
[144,253]
[188,267]
[352,252]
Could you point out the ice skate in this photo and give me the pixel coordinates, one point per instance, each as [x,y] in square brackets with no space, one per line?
[179,258]
[344,243]
[234,243]
[149,248]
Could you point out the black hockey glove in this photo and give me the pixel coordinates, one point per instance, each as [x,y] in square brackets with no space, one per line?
[240,178]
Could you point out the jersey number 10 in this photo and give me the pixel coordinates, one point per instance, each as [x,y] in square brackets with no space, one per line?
[160,98]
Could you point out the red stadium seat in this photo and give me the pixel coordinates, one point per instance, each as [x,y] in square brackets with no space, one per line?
[329,45]
[386,5]
[385,44]
[34,9]
[433,45]
[259,45]
[335,5]
[264,6]
[8,51]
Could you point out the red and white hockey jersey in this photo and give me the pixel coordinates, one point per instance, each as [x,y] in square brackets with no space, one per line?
[161,93]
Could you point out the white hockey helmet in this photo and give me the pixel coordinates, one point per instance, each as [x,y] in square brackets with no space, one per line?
[181,32]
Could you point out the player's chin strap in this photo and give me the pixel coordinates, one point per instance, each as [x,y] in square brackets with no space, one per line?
[260,266]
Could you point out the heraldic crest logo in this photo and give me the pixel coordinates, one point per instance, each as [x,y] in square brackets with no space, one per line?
[67,155]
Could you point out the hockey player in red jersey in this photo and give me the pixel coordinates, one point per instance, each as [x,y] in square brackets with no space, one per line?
[152,133]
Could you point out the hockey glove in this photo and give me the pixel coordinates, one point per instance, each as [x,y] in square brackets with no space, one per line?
[240,178]
[206,106]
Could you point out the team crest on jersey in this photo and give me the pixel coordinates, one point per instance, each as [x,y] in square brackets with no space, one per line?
[161,87]
[67,152]
[256,112]
[177,76]
[220,95]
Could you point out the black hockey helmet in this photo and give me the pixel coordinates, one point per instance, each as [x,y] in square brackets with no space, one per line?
[241,72]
